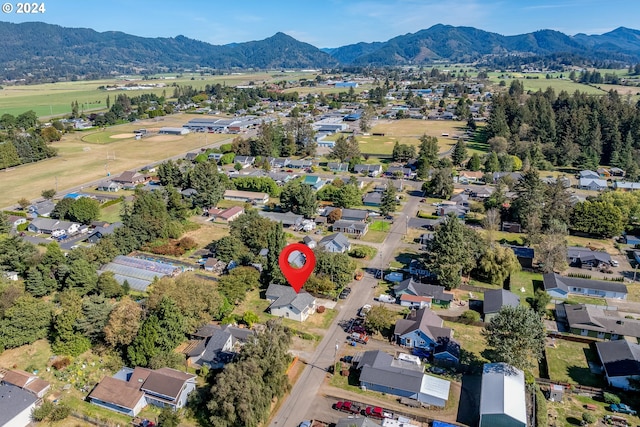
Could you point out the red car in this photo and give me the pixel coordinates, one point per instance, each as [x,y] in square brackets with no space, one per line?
[347,406]
[377,412]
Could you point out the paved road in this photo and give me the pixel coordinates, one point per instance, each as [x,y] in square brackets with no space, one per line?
[299,402]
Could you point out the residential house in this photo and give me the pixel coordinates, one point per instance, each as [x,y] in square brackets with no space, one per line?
[593,184]
[214,346]
[348,214]
[354,228]
[457,210]
[495,299]
[278,162]
[129,179]
[349,422]
[470,177]
[621,362]
[411,287]
[583,257]
[130,390]
[603,173]
[381,372]
[502,396]
[373,198]
[308,240]
[287,303]
[422,329]
[560,287]
[110,186]
[246,196]
[214,265]
[626,185]
[314,182]
[460,199]
[617,172]
[299,164]
[226,215]
[244,161]
[281,178]
[399,170]
[524,254]
[288,219]
[632,240]
[43,208]
[511,227]
[370,170]
[15,220]
[482,192]
[415,302]
[191,156]
[588,174]
[592,321]
[514,176]
[338,167]
[101,231]
[446,352]
[55,227]
[16,406]
[188,192]
[26,381]
[336,242]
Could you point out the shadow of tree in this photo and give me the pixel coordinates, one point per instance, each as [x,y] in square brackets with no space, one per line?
[574,421]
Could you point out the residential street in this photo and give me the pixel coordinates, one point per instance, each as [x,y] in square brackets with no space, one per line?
[301,399]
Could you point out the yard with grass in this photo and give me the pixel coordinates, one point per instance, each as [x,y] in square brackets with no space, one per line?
[373,236]
[111,213]
[568,362]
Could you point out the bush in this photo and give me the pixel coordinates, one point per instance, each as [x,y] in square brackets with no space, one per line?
[470,316]
[40,413]
[611,398]
[22,227]
[60,363]
[320,309]
[358,253]
[589,418]
[60,412]
[542,417]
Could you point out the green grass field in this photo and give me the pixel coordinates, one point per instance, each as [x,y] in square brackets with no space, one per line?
[51,99]
[111,213]
[567,361]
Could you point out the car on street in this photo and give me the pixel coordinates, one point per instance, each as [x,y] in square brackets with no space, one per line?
[614,263]
[347,406]
[345,293]
[377,412]
[359,275]
[364,310]
[622,408]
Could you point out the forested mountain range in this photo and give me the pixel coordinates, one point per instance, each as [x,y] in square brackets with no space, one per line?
[46,50]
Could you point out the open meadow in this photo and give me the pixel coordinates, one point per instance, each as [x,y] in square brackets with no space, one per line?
[79,161]
[51,99]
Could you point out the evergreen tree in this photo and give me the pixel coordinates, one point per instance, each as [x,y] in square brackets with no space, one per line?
[459,153]
[299,198]
[388,202]
[441,183]
[345,148]
[530,197]
[474,163]
[492,163]
[276,241]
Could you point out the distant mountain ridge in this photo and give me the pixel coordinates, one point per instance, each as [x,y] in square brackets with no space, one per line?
[45,50]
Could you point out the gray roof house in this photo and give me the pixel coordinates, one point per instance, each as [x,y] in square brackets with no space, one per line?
[355,422]
[349,214]
[286,302]
[578,256]
[495,299]
[43,208]
[560,286]
[502,396]
[355,228]
[380,371]
[219,347]
[288,219]
[592,321]
[593,184]
[336,242]
[54,227]
[371,170]
[338,167]
[621,362]
[16,406]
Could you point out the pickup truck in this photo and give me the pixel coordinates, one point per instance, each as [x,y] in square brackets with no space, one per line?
[377,412]
[622,408]
[358,337]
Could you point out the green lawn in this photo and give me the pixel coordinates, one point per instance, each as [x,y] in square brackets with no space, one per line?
[111,213]
[567,362]
[373,236]
[379,226]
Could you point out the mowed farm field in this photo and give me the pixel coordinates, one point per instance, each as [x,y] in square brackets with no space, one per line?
[56,98]
[80,162]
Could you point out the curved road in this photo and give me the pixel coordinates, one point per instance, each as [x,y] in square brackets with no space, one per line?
[299,401]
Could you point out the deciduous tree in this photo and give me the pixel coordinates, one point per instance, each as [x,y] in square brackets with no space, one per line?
[123,324]
[498,263]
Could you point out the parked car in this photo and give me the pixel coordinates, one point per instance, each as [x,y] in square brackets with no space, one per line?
[622,408]
[614,263]
[345,293]
[377,412]
[364,310]
[358,338]
[386,298]
[347,406]
[359,275]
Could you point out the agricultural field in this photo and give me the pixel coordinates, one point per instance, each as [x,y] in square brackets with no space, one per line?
[80,161]
[54,99]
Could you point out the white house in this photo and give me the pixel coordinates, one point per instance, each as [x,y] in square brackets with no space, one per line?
[285,302]
[54,227]
[560,286]
[502,396]
[621,362]
[16,406]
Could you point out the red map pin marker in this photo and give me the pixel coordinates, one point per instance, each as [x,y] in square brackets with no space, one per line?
[297,276]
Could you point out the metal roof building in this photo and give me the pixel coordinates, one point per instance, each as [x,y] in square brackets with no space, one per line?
[502,398]
[138,272]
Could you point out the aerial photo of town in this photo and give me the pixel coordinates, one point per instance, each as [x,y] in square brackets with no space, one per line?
[398,213]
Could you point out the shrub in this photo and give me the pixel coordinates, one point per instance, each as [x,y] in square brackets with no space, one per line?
[470,316]
[611,398]
[358,253]
[40,413]
[60,412]
[589,418]
[60,363]
[321,309]
[542,417]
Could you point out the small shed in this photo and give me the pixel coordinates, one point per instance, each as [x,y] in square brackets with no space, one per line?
[556,393]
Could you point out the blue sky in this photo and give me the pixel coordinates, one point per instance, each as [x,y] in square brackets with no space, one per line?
[331,23]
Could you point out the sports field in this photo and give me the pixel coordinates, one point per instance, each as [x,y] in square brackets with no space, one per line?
[79,161]
[55,98]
